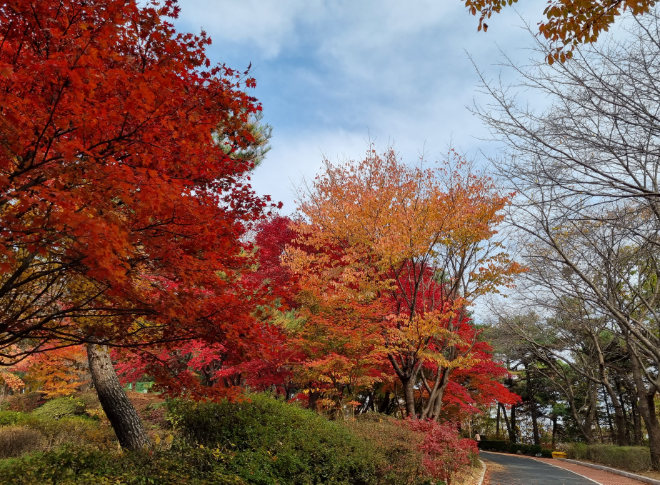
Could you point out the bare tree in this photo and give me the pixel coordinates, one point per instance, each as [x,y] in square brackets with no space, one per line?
[588,205]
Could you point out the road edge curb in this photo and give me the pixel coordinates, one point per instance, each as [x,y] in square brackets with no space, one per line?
[632,476]
[483,472]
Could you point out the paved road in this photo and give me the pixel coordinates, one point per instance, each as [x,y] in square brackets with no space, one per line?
[512,470]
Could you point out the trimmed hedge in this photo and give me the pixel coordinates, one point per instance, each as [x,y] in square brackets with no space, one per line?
[631,458]
[514,448]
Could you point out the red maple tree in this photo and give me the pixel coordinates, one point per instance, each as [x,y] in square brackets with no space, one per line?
[122,211]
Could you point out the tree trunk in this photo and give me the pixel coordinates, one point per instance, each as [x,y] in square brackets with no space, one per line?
[619,417]
[313,401]
[407,374]
[533,411]
[614,438]
[384,404]
[646,408]
[409,395]
[554,430]
[622,436]
[437,406]
[497,423]
[116,405]
[535,424]
[513,436]
[637,431]
[506,422]
[653,428]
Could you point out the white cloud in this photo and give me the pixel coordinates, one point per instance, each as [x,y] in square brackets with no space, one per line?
[294,157]
[333,72]
[267,25]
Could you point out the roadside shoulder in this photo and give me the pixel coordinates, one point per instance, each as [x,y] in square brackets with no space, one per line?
[622,473]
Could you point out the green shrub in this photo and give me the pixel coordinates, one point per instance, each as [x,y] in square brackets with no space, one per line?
[8,418]
[61,407]
[577,451]
[397,445]
[89,398]
[263,441]
[72,430]
[67,430]
[275,442]
[631,458]
[80,466]
[17,440]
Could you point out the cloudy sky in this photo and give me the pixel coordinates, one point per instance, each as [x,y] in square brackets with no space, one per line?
[333,74]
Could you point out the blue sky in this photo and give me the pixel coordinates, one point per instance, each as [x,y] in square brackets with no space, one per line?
[333,74]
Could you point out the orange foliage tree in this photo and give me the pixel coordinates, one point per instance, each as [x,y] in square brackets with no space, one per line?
[60,372]
[569,22]
[389,256]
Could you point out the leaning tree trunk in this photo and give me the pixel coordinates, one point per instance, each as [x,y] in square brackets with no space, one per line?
[116,405]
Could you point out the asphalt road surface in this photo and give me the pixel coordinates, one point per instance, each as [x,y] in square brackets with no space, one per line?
[512,470]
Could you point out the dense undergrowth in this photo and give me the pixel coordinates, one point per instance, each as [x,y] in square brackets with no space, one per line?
[261,441]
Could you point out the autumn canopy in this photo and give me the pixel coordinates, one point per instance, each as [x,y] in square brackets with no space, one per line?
[130,237]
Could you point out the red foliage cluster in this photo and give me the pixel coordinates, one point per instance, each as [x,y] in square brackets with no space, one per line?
[122,218]
[445,452]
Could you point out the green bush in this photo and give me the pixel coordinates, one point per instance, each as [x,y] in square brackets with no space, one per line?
[275,442]
[89,398]
[80,466]
[261,441]
[72,430]
[397,444]
[9,418]
[631,458]
[61,407]
[67,430]
[577,451]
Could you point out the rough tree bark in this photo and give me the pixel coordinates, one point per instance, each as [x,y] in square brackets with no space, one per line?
[409,393]
[116,405]
[646,406]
